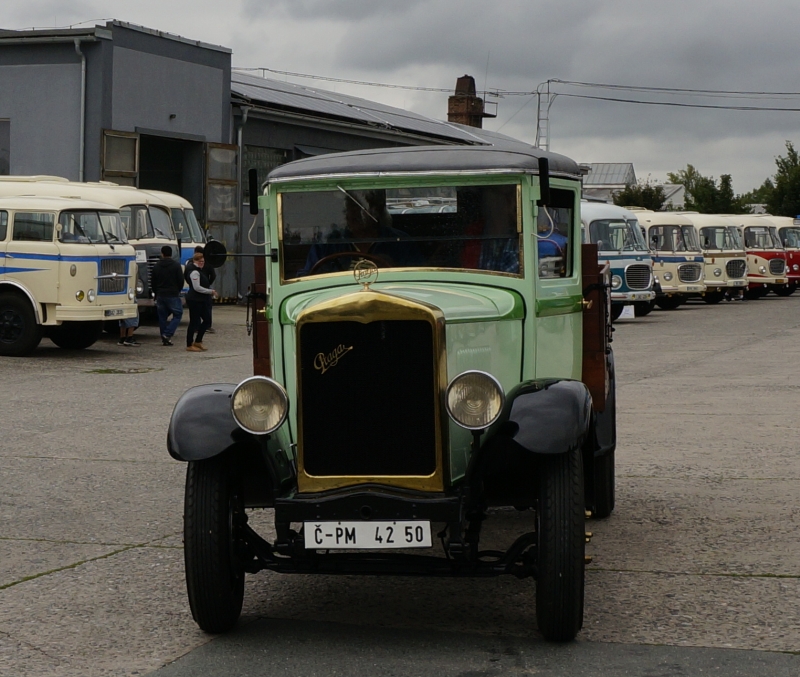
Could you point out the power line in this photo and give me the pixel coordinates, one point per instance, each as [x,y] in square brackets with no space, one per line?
[678,104]
[349,82]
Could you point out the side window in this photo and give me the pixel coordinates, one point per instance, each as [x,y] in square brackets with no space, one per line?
[33,227]
[554,234]
[3,225]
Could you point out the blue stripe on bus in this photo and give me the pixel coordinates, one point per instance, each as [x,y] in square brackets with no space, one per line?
[60,257]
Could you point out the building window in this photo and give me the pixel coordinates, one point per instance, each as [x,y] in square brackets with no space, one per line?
[5,147]
[120,157]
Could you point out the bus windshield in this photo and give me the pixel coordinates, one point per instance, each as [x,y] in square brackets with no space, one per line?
[762,237]
[90,227]
[186,224]
[719,237]
[790,237]
[612,235]
[674,238]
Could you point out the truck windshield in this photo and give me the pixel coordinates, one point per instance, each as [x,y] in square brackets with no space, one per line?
[90,227]
[719,237]
[456,227]
[762,237]
[611,235]
[674,238]
[790,237]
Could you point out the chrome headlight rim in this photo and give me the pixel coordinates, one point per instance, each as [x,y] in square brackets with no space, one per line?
[762,270]
[717,272]
[667,276]
[491,380]
[616,281]
[283,400]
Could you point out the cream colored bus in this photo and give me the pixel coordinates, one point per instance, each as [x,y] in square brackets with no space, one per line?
[724,257]
[65,268]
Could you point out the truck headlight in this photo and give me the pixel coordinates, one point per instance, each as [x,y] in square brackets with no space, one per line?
[667,276]
[762,270]
[474,400]
[717,272]
[616,281]
[259,405]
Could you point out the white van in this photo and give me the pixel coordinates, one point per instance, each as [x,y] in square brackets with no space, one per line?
[65,268]
[145,216]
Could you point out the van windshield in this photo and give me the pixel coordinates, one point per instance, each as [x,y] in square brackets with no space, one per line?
[90,227]
[612,235]
[719,237]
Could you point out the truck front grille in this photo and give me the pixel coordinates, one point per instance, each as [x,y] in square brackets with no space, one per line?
[736,269]
[113,285]
[637,276]
[777,266]
[690,272]
[367,398]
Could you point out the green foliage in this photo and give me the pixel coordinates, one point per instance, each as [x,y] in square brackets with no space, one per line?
[705,195]
[644,195]
[785,197]
[760,195]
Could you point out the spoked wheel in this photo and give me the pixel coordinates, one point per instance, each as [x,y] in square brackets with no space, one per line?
[213,511]
[713,297]
[76,335]
[642,308]
[669,302]
[560,547]
[19,333]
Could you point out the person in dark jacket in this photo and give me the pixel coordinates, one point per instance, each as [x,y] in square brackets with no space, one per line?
[166,282]
[210,272]
[199,301]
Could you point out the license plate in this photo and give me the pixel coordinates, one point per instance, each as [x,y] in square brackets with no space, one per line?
[780,280]
[113,312]
[367,535]
[694,289]
[641,297]
[740,283]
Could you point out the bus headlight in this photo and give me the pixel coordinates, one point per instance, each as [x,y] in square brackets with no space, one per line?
[131,294]
[80,295]
[474,400]
[139,287]
[717,272]
[795,267]
[616,281]
[259,405]
[667,276]
[91,296]
[762,270]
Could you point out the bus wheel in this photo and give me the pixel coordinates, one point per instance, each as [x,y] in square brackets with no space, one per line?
[213,509]
[642,308]
[76,335]
[19,333]
[560,546]
[616,311]
[713,296]
[788,290]
[669,302]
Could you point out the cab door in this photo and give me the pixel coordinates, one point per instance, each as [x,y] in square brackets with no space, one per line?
[32,257]
[3,237]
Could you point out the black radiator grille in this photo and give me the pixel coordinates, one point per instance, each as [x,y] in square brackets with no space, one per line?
[777,266]
[736,268]
[368,400]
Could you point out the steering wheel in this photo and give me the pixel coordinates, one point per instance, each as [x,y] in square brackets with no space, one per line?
[379,261]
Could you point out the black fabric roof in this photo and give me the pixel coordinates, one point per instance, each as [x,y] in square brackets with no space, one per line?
[429,159]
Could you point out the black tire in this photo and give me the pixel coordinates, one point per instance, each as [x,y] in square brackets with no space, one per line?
[214,573]
[76,335]
[642,308]
[560,547]
[669,302]
[19,333]
[616,311]
[788,290]
[603,466]
[713,297]
[752,294]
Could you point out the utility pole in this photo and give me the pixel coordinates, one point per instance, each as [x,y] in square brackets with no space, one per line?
[543,115]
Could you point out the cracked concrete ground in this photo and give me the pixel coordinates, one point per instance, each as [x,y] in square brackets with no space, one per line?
[702,550]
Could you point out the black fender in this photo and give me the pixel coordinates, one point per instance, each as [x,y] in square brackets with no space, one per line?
[202,425]
[605,423]
[540,418]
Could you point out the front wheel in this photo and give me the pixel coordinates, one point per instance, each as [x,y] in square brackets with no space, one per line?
[213,511]
[669,302]
[787,290]
[19,333]
[560,547]
[642,308]
[76,335]
[713,297]
[616,311]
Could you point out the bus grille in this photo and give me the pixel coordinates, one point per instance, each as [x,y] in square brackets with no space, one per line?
[113,285]
[367,400]
[736,269]
[638,276]
[777,266]
[690,272]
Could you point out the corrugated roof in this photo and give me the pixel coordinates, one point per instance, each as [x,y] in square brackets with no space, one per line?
[256,90]
[610,174]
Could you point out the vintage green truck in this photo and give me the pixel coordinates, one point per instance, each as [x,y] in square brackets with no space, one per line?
[431,342]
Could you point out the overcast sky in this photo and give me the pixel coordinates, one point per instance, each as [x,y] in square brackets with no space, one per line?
[514,45]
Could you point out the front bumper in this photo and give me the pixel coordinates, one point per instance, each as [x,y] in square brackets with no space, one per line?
[632,296]
[669,290]
[89,313]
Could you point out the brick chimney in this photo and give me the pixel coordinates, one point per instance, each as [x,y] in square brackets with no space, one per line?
[466,108]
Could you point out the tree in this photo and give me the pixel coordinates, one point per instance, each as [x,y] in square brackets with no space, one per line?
[704,195]
[642,194]
[760,195]
[785,198]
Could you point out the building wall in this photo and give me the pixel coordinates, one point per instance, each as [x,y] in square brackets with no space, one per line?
[42,102]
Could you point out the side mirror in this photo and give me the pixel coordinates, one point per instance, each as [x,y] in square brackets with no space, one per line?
[215,253]
[544,181]
[252,178]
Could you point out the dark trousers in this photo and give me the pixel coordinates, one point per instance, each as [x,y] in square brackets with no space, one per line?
[167,306]
[199,320]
